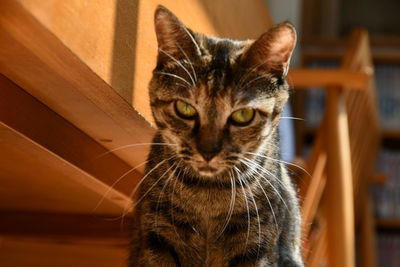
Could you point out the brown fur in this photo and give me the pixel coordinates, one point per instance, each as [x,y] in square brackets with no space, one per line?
[216,194]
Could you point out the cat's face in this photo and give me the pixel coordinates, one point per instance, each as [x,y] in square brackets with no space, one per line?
[214,99]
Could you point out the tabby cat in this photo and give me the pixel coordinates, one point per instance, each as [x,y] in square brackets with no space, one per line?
[215,192]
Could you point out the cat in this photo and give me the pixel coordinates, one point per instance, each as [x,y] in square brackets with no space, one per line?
[215,192]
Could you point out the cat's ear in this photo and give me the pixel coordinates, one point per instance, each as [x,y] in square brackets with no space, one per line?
[173,38]
[272,51]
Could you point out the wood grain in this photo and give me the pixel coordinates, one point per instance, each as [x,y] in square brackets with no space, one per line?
[340,193]
[70,225]
[41,64]
[61,252]
[26,115]
[328,78]
[33,178]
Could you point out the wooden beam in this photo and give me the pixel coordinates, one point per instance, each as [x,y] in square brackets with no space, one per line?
[312,201]
[79,226]
[33,58]
[34,178]
[328,78]
[368,245]
[35,251]
[28,116]
[339,206]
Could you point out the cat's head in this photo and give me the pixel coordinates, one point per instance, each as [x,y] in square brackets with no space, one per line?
[218,100]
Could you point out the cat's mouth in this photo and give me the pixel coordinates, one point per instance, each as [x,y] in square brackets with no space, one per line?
[208,168]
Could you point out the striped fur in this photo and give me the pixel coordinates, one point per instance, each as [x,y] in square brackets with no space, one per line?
[217,194]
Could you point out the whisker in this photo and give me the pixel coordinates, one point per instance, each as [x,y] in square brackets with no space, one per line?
[238,172]
[172,210]
[258,216]
[179,63]
[280,161]
[190,62]
[193,40]
[133,145]
[153,185]
[293,118]
[270,174]
[261,168]
[175,76]
[242,80]
[126,209]
[145,194]
[269,203]
[258,220]
[231,205]
[117,181]
[162,191]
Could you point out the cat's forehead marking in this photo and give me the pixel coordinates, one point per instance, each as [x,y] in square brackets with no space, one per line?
[219,68]
[222,50]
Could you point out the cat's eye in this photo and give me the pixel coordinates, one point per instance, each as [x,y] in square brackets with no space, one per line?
[242,116]
[185,110]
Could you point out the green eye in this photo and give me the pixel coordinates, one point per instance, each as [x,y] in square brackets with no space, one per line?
[185,110]
[242,116]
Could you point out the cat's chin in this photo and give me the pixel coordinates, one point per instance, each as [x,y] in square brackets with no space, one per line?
[207,171]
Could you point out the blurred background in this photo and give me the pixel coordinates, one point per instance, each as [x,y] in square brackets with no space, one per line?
[324,28]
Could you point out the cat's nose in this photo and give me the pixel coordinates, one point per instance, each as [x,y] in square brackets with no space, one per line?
[208,155]
[209,141]
[209,145]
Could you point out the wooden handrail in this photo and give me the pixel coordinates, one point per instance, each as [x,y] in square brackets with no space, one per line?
[349,155]
[305,78]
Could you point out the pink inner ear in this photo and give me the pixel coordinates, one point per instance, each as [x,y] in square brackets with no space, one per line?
[284,44]
[272,51]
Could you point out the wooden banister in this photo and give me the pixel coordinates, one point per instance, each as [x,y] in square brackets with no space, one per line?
[304,78]
[339,190]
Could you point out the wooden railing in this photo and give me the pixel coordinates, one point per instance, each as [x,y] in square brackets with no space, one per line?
[335,192]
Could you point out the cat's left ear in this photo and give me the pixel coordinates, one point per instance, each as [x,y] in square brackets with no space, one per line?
[272,51]
[174,39]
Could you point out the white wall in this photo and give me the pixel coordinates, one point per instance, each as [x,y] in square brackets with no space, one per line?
[287,10]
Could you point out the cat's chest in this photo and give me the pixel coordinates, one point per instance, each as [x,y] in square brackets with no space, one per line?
[210,203]
[210,208]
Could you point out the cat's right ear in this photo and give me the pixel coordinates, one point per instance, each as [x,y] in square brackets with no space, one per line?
[272,51]
[175,41]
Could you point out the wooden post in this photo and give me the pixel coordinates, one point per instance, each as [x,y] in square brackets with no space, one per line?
[367,235]
[339,189]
